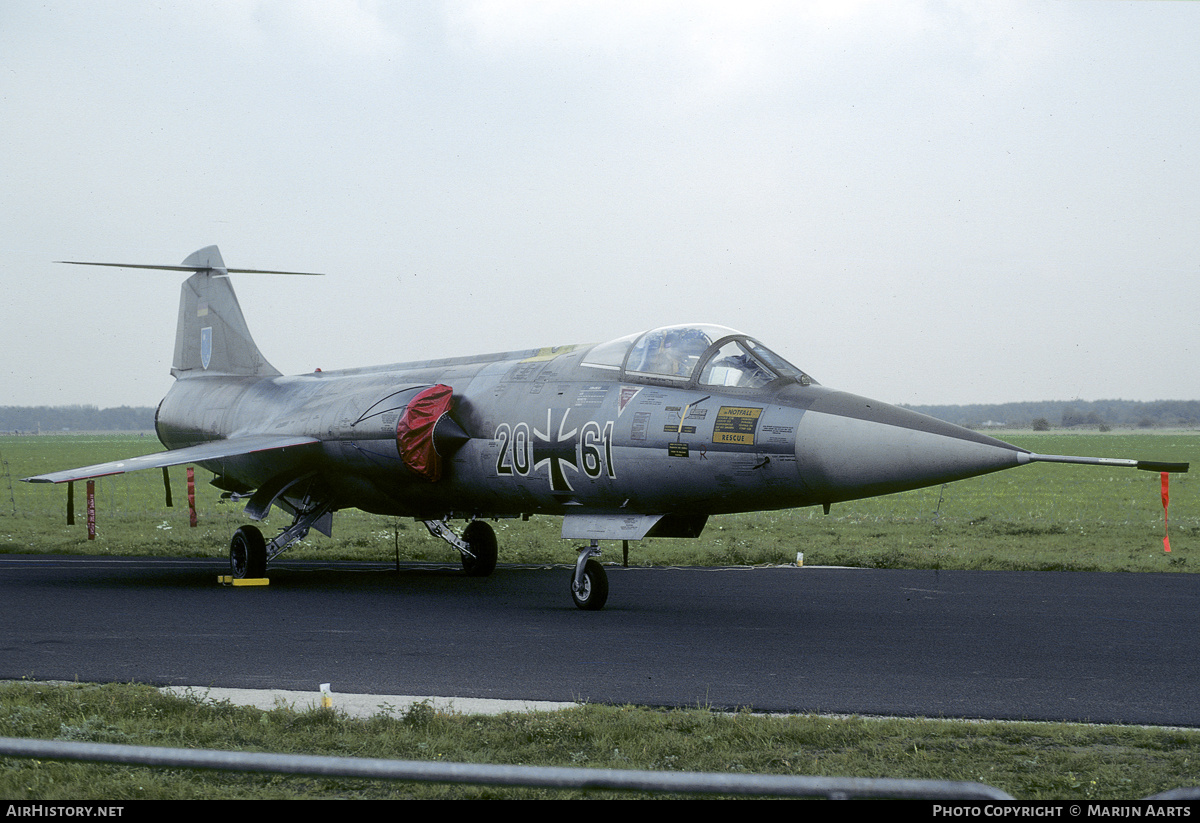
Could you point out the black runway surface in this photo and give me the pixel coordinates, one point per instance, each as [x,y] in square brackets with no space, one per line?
[1006,645]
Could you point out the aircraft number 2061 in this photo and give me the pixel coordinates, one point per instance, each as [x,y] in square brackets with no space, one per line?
[524,450]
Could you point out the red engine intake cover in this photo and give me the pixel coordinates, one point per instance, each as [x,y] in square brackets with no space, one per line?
[414,432]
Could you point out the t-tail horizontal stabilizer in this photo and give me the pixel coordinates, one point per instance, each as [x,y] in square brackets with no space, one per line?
[207,259]
[212,336]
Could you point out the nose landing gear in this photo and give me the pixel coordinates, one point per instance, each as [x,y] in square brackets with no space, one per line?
[589,586]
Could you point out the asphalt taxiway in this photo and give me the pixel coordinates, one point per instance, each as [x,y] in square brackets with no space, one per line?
[1091,647]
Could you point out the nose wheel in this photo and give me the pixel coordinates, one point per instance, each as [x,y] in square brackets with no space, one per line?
[589,586]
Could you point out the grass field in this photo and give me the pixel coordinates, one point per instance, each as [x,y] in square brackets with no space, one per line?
[1045,517]
[1029,761]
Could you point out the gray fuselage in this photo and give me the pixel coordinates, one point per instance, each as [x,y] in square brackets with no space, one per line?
[551,434]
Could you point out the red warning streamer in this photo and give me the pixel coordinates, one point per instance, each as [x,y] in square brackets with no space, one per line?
[1166,497]
[191,486]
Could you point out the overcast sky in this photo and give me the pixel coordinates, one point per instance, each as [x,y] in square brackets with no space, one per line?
[922,202]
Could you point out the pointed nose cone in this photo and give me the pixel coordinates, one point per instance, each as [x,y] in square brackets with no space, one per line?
[850,447]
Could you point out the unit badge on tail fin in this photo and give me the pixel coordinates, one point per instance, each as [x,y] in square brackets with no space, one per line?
[205,346]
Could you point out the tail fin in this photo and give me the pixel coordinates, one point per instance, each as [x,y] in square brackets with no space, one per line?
[212,336]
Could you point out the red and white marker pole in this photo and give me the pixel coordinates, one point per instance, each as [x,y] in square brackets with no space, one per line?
[91,509]
[191,475]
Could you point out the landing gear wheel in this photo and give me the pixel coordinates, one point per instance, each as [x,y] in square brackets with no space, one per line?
[594,592]
[481,539]
[247,553]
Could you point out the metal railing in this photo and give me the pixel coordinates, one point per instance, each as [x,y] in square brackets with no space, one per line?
[497,775]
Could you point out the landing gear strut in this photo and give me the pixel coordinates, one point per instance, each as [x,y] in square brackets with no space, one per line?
[477,546]
[589,587]
[249,553]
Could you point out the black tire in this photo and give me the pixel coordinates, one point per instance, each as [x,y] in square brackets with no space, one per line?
[481,540]
[595,588]
[247,553]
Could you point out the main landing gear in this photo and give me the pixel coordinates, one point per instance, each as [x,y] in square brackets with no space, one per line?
[249,552]
[589,583]
[477,546]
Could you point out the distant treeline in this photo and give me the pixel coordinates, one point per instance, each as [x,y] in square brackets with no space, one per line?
[1059,414]
[46,419]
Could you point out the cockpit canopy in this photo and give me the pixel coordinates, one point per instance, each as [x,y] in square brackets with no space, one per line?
[705,354]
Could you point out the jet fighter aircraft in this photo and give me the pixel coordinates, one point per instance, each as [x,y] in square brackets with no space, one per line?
[643,436]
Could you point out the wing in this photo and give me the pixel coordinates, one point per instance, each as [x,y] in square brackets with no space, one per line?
[213,450]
